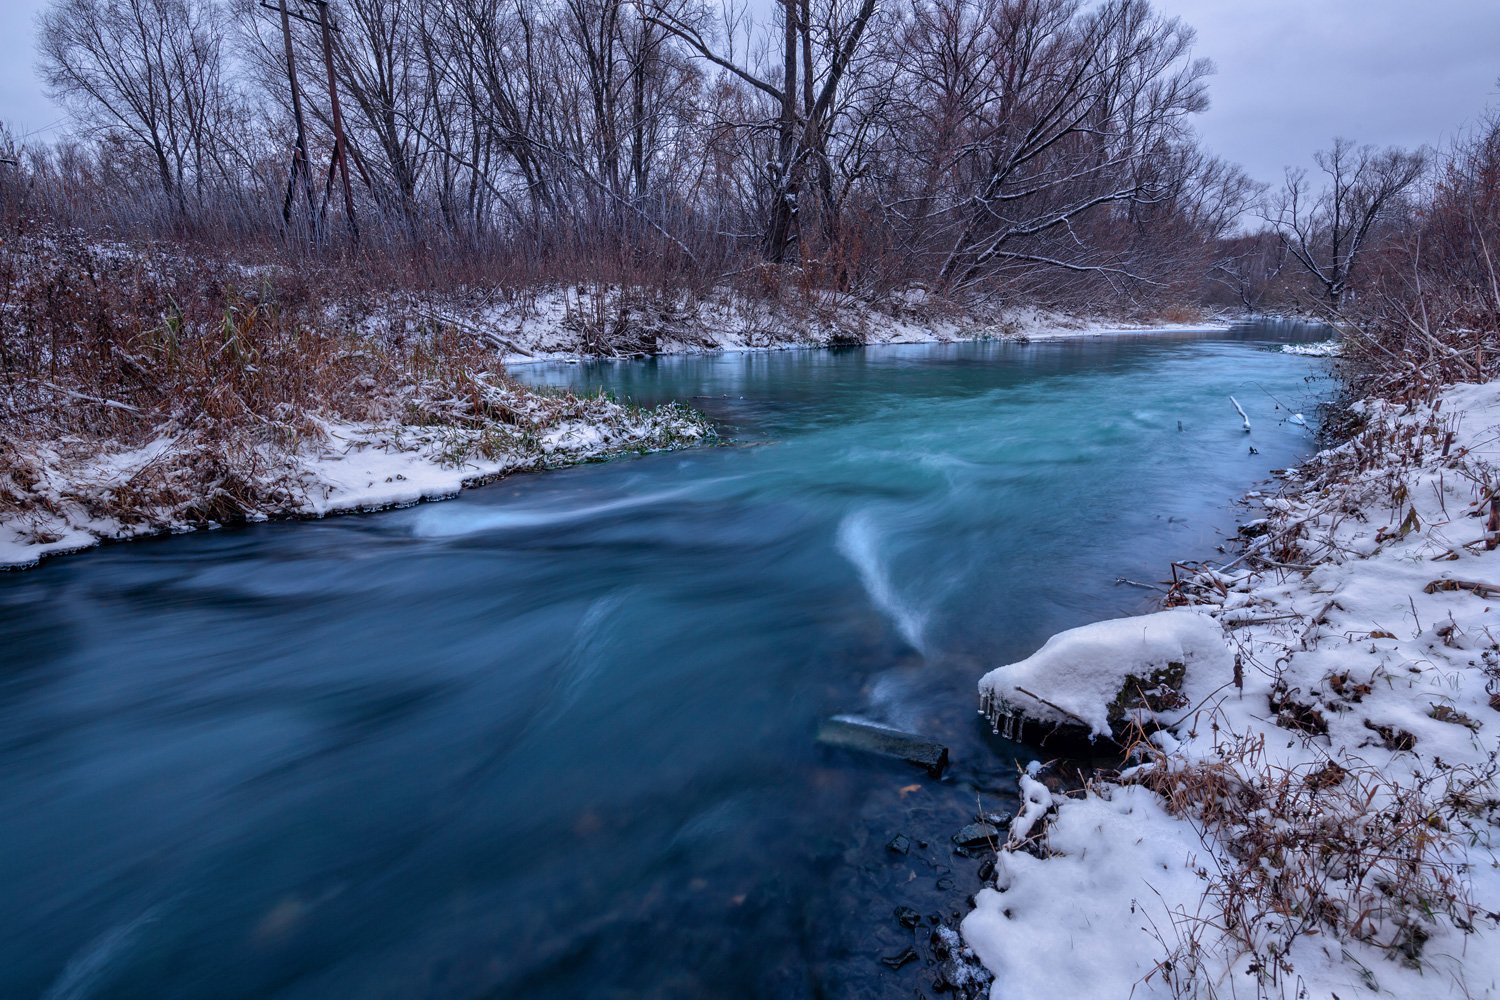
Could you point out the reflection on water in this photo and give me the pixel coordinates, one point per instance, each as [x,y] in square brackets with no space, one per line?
[553,738]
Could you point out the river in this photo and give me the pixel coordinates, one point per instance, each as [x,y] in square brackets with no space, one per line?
[555,738]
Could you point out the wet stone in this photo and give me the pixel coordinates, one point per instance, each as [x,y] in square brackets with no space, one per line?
[978,835]
[907,916]
[897,961]
[899,844]
[883,741]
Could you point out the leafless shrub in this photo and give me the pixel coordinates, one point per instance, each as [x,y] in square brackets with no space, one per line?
[1333,847]
[215,377]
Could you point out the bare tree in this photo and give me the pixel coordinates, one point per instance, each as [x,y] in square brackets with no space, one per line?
[818,46]
[1329,230]
[1023,123]
[148,71]
[994,147]
[1249,265]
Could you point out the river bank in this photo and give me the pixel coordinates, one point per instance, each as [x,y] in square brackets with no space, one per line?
[561,323]
[558,734]
[66,498]
[1315,813]
[144,395]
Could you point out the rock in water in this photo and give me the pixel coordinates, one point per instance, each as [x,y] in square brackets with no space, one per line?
[907,916]
[853,734]
[978,835]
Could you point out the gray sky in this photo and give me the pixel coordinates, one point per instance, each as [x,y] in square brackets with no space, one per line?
[1292,73]
[23,102]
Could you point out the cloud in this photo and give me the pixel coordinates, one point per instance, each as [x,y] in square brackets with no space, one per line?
[1293,74]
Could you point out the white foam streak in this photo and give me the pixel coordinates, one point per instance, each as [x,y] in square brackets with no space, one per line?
[859,542]
[455,520]
[86,971]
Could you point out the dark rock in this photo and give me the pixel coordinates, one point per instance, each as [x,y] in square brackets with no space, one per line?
[907,916]
[899,844]
[867,738]
[987,870]
[897,961]
[945,883]
[977,835]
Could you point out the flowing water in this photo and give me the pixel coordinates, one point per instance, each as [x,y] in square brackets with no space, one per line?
[555,738]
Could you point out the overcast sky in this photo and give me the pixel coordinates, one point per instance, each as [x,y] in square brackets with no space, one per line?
[1291,73]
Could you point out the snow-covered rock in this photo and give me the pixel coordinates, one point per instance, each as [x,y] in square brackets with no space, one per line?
[1148,669]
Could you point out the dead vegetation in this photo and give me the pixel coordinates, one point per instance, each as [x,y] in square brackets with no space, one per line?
[153,389]
[1334,848]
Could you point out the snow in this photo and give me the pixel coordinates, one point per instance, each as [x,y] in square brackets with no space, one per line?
[1321,349]
[1241,411]
[1078,673]
[1036,802]
[1367,681]
[555,324]
[1077,924]
[355,467]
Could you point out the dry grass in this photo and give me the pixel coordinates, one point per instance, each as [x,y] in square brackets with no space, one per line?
[1334,847]
[216,377]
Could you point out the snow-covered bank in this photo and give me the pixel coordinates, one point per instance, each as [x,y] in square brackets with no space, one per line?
[1321,349]
[80,495]
[553,324]
[1318,815]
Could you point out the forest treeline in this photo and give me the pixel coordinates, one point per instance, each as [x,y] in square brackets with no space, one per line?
[962,144]
[1013,150]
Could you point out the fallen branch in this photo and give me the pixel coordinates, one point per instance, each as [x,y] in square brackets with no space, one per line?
[1053,705]
[1474,586]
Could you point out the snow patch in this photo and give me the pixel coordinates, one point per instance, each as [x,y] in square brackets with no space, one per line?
[1321,349]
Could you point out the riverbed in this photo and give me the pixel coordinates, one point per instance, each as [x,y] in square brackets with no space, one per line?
[555,737]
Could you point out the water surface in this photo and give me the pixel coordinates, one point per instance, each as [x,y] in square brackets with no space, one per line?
[555,738]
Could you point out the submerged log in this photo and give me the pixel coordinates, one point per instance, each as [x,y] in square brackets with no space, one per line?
[885,742]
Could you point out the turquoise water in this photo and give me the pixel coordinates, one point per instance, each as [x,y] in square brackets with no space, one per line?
[555,737]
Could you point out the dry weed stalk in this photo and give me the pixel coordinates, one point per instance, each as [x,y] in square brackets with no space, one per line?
[212,379]
[1334,847]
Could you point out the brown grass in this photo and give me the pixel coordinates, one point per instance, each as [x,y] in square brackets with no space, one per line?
[230,371]
[1334,847]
